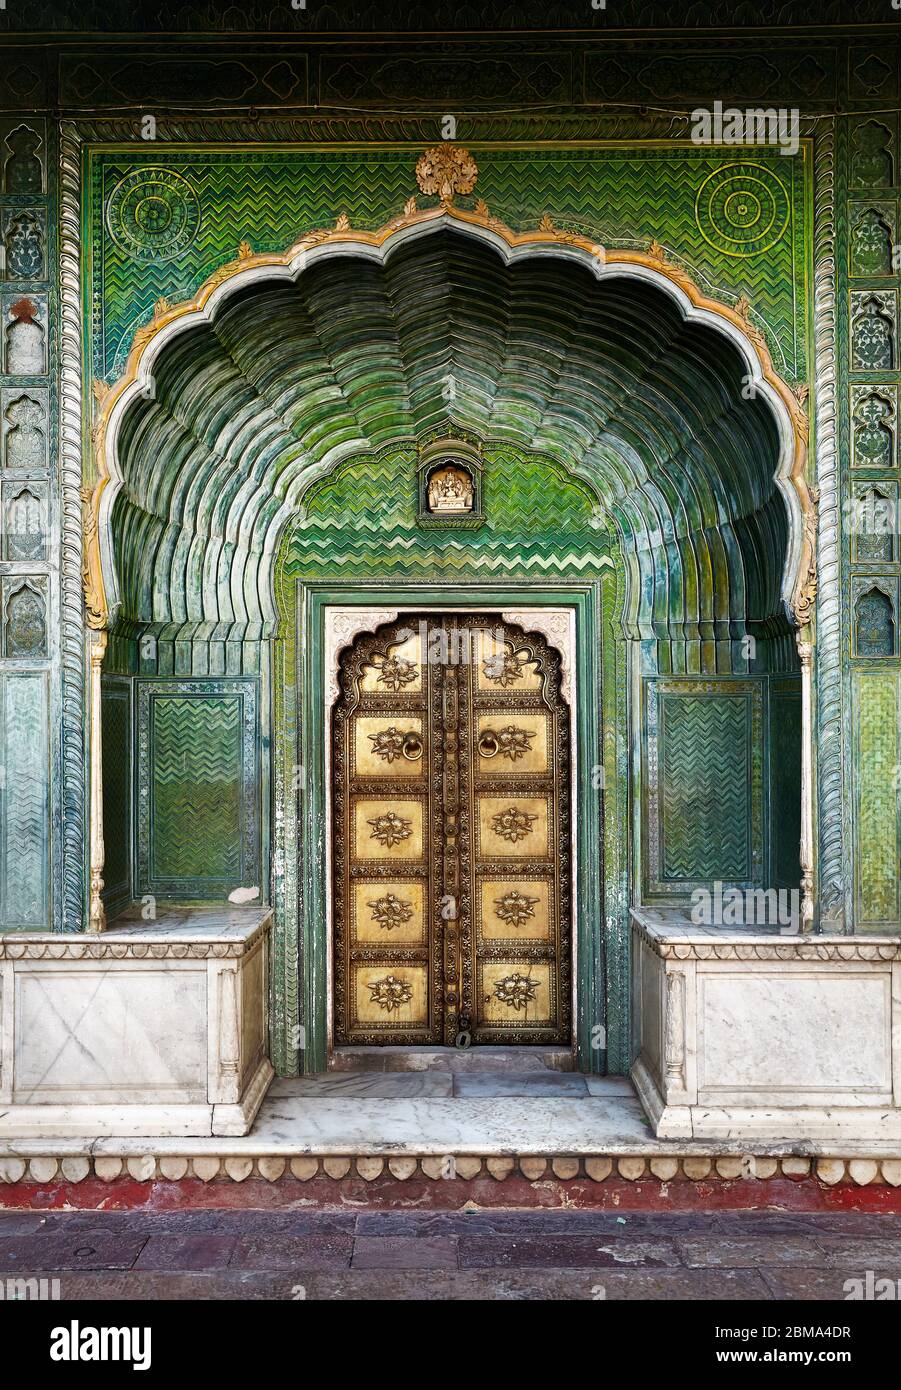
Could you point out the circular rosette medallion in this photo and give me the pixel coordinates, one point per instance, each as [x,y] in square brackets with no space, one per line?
[153,214]
[743,209]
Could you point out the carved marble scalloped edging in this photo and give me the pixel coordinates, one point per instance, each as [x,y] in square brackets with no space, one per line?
[805,950]
[61,949]
[596,1168]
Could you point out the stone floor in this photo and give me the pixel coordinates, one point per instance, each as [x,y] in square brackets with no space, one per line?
[491,1255]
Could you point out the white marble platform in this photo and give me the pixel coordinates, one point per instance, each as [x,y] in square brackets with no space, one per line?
[178,931]
[150,1028]
[747,1033]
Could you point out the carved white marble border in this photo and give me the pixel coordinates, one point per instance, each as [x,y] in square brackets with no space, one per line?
[806,949]
[673,938]
[343,623]
[849,1162]
[12,948]
[832,885]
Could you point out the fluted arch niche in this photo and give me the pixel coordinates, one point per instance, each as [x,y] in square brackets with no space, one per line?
[229,412]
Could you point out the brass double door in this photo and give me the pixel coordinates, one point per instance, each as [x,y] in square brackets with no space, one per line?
[451,836]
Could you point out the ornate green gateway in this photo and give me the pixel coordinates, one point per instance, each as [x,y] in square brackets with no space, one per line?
[589,312]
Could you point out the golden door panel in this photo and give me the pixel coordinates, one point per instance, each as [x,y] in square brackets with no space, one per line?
[384,747]
[513,827]
[505,665]
[511,742]
[513,910]
[396,669]
[391,996]
[388,913]
[517,994]
[451,898]
[388,828]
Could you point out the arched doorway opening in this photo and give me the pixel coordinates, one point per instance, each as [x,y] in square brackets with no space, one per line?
[643,473]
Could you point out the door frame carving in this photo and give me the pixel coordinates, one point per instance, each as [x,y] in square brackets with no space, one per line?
[327,618]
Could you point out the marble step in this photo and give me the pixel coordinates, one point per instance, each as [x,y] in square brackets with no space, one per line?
[453,1059]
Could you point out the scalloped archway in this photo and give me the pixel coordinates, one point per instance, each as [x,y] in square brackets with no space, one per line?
[614,364]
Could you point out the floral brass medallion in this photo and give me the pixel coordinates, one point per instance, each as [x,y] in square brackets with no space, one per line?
[390,911]
[389,994]
[392,743]
[515,908]
[390,829]
[451,865]
[516,991]
[510,742]
[446,170]
[513,824]
[396,671]
[504,668]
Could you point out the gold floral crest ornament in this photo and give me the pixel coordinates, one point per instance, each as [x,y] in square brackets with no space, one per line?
[390,993]
[389,829]
[516,991]
[390,911]
[512,824]
[446,170]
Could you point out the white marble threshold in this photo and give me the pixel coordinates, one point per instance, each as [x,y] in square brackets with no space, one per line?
[427,1126]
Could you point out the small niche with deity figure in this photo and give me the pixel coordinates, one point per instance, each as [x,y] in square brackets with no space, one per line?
[450,489]
[874,626]
[450,482]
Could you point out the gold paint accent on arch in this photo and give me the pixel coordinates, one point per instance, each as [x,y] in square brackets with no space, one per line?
[545,235]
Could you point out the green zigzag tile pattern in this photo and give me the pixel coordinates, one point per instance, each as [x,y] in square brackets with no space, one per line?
[196,831]
[24,803]
[679,195]
[705,791]
[362,522]
[877,738]
[116,717]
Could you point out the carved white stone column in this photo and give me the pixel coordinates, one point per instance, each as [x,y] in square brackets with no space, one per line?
[96,911]
[674,1039]
[805,651]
